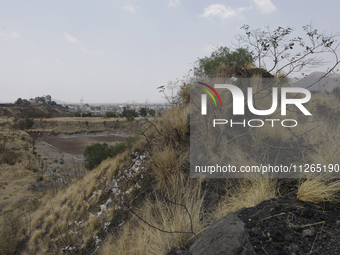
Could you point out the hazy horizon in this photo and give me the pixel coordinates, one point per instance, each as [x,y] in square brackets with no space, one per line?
[120,51]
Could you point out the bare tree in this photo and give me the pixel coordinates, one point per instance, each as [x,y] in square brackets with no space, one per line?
[287,53]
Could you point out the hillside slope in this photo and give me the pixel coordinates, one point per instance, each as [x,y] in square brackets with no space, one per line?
[24,111]
[144,201]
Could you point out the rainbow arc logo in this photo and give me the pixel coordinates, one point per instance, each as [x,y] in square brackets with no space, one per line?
[208,92]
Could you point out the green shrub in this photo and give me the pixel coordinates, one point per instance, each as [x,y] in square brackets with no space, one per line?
[28,123]
[97,152]
[117,149]
[110,114]
[94,154]
[31,114]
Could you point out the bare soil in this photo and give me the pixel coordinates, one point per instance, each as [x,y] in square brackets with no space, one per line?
[67,150]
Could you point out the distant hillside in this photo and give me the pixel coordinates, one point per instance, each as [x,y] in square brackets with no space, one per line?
[327,83]
[34,111]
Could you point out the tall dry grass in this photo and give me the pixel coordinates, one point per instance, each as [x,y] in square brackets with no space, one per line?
[248,193]
[319,190]
[136,237]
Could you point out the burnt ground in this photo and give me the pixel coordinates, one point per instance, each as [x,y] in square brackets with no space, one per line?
[287,226]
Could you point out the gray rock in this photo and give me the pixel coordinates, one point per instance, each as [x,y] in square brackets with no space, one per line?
[293,248]
[226,236]
[211,200]
[308,232]
[183,252]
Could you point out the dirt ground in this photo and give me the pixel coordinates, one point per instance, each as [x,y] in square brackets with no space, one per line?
[67,150]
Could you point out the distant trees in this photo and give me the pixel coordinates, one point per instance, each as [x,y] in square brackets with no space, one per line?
[86,114]
[48,99]
[129,114]
[110,114]
[77,114]
[19,101]
[25,102]
[143,111]
[42,100]
[152,112]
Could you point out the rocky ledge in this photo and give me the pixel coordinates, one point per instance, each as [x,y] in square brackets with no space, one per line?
[281,226]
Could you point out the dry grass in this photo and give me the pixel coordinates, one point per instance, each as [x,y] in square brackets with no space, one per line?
[75,203]
[328,149]
[173,125]
[10,233]
[164,164]
[81,119]
[139,238]
[319,190]
[249,192]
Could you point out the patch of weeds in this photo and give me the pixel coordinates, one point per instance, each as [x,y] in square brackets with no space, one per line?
[61,160]
[8,157]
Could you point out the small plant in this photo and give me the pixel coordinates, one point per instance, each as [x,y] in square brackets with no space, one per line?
[28,123]
[8,157]
[61,160]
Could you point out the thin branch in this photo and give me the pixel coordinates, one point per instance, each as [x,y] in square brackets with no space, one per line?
[162,230]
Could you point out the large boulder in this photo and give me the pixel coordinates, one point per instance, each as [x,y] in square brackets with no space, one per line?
[226,236]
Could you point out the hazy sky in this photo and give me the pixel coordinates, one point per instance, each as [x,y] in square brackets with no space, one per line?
[119,51]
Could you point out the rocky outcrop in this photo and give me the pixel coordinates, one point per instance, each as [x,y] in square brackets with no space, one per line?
[226,236]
